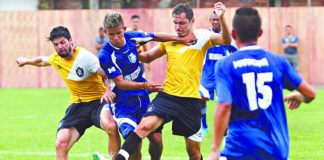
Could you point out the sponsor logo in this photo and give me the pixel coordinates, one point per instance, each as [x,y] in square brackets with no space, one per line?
[79,71]
[133,75]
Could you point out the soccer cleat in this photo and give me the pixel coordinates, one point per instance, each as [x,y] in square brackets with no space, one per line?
[204,132]
[98,156]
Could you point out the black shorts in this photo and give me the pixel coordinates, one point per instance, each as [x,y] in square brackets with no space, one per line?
[185,113]
[82,116]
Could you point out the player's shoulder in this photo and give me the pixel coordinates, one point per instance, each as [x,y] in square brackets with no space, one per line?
[202,31]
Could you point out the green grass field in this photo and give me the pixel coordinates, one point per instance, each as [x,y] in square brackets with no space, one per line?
[29,117]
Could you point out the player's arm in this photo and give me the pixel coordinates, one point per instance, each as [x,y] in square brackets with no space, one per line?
[151,54]
[164,37]
[131,85]
[109,95]
[306,93]
[221,120]
[225,37]
[40,61]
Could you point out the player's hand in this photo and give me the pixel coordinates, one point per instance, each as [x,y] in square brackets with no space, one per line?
[219,9]
[21,61]
[154,87]
[109,96]
[294,100]
[138,47]
[213,155]
[188,39]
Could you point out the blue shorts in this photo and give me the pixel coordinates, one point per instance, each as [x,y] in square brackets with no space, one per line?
[128,113]
[207,92]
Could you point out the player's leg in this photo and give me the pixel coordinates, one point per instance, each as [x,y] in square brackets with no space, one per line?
[146,126]
[71,128]
[193,149]
[206,94]
[156,145]
[108,124]
[66,137]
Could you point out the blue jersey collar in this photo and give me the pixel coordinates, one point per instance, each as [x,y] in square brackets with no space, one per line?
[250,47]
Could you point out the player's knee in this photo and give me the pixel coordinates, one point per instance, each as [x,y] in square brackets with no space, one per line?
[61,144]
[111,127]
[155,138]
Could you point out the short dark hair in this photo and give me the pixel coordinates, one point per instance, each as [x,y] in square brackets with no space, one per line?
[135,16]
[247,24]
[183,8]
[59,31]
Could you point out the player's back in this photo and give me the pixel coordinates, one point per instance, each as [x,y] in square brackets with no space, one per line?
[258,78]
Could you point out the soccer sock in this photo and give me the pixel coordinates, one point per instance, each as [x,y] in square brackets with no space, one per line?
[204,116]
[129,146]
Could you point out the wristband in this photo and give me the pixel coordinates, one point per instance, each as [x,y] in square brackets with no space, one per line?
[145,85]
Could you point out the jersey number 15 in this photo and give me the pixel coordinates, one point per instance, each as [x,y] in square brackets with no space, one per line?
[255,84]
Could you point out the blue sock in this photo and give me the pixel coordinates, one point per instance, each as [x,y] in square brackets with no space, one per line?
[204,116]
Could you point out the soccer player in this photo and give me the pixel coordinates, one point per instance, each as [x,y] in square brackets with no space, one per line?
[119,60]
[250,99]
[101,39]
[82,74]
[180,100]
[290,45]
[207,81]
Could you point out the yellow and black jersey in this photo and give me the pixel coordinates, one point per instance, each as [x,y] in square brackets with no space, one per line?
[79,75]
[185,65]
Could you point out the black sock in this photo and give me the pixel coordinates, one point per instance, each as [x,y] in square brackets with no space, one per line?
[130,145]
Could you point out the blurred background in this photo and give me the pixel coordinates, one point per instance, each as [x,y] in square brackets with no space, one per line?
[24,26]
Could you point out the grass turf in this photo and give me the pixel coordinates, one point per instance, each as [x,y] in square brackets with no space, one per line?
[29,117]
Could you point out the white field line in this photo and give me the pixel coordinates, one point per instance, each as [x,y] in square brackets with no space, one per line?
[73,154]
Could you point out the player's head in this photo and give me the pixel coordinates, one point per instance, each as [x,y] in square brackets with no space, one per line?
[288,29]
[115,28]
[62,41]
[183,18]
[246,25]
[135,21]
[101,32]
[214,20]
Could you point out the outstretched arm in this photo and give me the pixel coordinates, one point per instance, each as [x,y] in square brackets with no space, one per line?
[151,54]
[164,37]
[225,37]
[39,61]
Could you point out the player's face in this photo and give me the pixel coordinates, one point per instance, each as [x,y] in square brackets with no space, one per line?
[183,25]
[214,20]
[63,46]
[116,35]
[135,22]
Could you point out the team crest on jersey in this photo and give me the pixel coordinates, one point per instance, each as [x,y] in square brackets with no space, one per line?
[79,71]
[132,58]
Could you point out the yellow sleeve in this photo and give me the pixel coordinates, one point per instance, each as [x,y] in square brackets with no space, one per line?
[51,59]
[162,47]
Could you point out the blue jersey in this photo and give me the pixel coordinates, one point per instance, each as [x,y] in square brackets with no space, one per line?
[212,56]
[252,81]
[124,61]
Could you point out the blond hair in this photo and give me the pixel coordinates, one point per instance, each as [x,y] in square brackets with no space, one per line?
[112,20]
